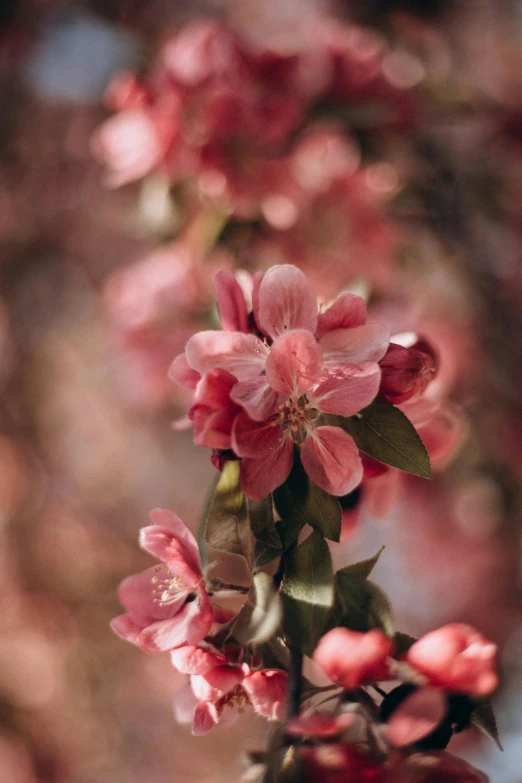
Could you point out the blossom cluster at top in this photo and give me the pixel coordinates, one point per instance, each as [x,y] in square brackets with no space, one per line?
[272,377]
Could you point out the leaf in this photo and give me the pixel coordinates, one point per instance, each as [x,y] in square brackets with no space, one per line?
[360,605]
[288,531]
[268,544]
[386,434]
[260,616]
[227,528]
[363,568]
[484,719]
[307,592]
[403,642]
[302,501]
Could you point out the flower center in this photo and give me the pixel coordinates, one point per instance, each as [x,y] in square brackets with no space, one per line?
[296,416]
[237,698]
[167,587]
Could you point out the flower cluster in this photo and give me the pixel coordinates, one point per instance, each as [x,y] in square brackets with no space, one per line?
[169,608]
[276,376]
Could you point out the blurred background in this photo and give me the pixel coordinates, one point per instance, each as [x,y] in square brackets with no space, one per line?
[144,145]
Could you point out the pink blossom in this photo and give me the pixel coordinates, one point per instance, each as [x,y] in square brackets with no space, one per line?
[334,372]
[168,604]
[456,657]
[351,658]
[435,767]
[406,371]
[222,689]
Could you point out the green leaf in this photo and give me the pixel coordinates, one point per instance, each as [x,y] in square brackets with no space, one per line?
[363,568]
[260,616]
[268,544]
[307,592]
[227,528]
[288,531]
[360,605]
[484,719]
[307,504]
[403,642]
[386,434]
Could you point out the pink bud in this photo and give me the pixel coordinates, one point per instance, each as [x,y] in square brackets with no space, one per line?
[456,657]
[351,658]
[405,372]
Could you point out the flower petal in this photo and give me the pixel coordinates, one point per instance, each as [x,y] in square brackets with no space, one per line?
[256,438]
[367,343]
[347,311]
[126,627]
[195,660]
[139,594]
[259,477]
[267,690]
[184,704]
[295,363]
[347,388]
[178,630]
[205,718]
[174,540]
[199,618]
[416,717]
[231,302]
[331,459]
[181,372]
[257,397]
[241,354]
[286,301]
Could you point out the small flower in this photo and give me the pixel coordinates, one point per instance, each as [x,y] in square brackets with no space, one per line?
[406,371]
[456,657]
[351,658]
[168,604]
[221,690]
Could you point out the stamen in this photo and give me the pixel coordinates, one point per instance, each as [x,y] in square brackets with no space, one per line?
[166,588]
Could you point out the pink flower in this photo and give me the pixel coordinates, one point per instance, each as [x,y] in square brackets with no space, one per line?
[312,363]
[435,767]
[456,657]
[167,604]
[351,659]
[320,724]
[221,690]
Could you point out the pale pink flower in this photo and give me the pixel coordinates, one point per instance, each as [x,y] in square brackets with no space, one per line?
[351,658]
[222,689]
[434,767]
[168,604]
[456,657]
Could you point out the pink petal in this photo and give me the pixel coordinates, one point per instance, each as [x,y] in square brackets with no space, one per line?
[257,279]
[416,717]
[184,704]
[231,302]
[200,618]
[259,477]
[347,388]
[256,396]
[140,594]
[267,691]
[169,539]
[213,390]
[195,660]
[331,459]
[127,628]
[181,372]
[225,678]
[213,429]
[241,354]
[295,363]
[347,311]
[256,438]
[286,301]
[177,631]
[367,343]
[205,718]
